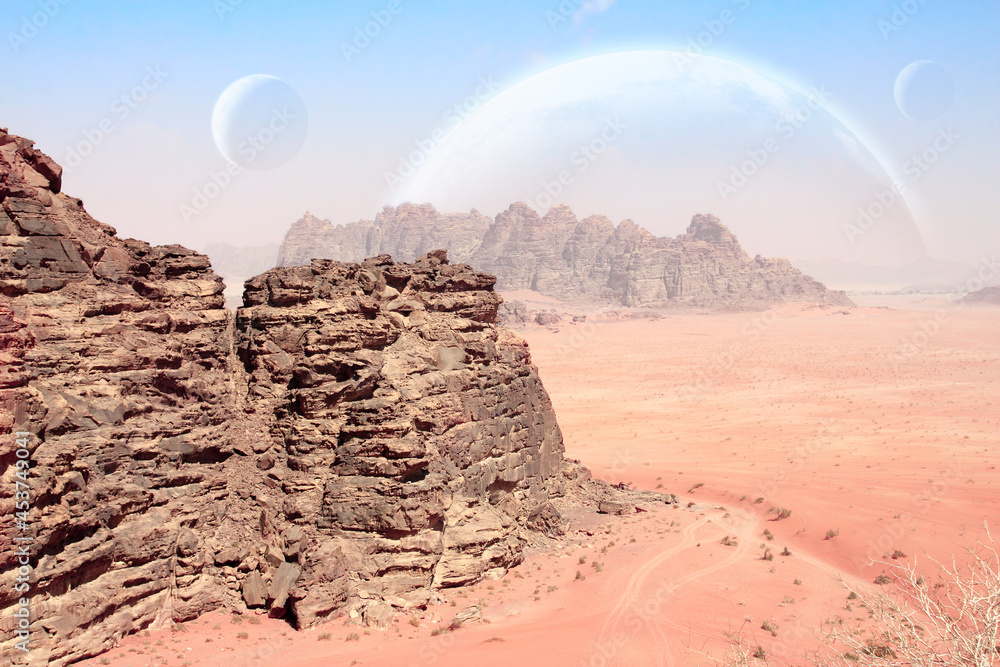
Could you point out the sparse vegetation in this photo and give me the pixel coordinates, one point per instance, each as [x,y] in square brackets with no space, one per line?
[786,552]
[353,637]
[729,541]
[242,635]
[767,555]
[768,535]
[698,485]
[770,626]
[830,534]
[897,554]
[780,513]
[954,621]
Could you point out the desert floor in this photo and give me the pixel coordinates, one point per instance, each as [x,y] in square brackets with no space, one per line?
[879,427]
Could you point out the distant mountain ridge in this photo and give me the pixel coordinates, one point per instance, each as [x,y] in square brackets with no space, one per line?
[570,259]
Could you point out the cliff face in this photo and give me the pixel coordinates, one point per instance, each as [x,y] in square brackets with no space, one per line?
[572,259]
[415,432]
[120,377]
[358,436]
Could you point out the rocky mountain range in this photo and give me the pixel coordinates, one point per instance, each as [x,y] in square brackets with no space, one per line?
[570,259]
[357,437]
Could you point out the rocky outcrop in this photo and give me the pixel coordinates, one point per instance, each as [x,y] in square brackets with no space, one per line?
[590,259]
[115,361]
[412,435]
[357,437]
[987,296]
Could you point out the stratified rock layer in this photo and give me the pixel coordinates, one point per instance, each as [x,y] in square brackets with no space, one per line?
[358,436]
[560,256]
[413,433]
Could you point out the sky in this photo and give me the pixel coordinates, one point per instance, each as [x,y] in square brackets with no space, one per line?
[123,93]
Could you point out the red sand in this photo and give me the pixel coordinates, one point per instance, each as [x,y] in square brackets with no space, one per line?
[824,412]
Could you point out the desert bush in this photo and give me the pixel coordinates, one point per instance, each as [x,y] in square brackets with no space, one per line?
[954,622]
[830,534]
[780,513]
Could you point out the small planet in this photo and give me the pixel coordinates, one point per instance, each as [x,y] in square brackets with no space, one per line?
[924,90]
[657,136]
[259,122]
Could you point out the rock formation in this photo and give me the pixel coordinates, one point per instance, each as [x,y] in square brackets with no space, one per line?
[560,256]
[987,296]
[359,436]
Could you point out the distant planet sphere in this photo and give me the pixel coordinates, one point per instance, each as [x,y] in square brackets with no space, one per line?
[259,122]
[924,90]
[657,136]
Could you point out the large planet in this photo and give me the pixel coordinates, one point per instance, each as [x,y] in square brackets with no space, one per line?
[657,136]
[259,122]
[924,90]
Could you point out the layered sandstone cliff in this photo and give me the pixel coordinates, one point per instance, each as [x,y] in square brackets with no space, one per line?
[570,259]
[359,436]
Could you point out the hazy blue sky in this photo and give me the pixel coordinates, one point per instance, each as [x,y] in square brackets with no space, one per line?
[63,80]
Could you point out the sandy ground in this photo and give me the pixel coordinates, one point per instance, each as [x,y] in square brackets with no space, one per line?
[876,427]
